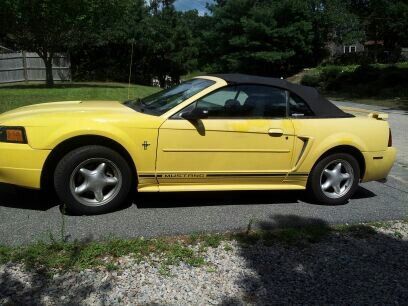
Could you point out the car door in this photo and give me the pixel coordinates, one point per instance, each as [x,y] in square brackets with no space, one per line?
[246,139]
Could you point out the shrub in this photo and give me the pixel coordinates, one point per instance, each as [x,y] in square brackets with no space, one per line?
[330,73]
[361,81]
[360,58]
[310,80]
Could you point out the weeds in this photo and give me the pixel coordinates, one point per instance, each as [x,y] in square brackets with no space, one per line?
[212,240]
[111,266]
[289,236]
[211,270]
[227,248]
[398,235]
[357,231]
[62,229]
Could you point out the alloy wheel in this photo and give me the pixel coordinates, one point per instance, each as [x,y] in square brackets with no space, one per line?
[337,178]
[95,182]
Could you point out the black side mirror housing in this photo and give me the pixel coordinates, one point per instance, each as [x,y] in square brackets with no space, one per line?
[195,114]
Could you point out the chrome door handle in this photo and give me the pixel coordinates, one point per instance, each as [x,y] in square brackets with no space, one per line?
[275,132]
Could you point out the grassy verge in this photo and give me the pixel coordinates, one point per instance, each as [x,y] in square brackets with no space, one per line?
[192,75]
[13,96]
[393,103]
[63,256]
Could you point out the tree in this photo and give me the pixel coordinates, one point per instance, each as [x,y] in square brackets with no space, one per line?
[384,21]
[197,25]
[51,26]
[333,21]
[167,43]
[261,37]
[43,26]
[273,37]
[104,53]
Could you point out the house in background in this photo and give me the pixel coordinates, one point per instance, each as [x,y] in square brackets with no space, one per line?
[404,53]
[358,47]
[337,49]
[370,47]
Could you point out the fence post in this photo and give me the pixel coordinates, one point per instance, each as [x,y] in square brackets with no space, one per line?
[25,67]
[68,58]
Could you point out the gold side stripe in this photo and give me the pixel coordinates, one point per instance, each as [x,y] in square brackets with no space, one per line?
[223,175]
[227,150]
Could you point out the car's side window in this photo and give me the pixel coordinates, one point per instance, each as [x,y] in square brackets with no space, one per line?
[217,102]
[298,107]
[245,101]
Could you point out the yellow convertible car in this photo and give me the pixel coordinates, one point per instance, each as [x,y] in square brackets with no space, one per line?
[219,132]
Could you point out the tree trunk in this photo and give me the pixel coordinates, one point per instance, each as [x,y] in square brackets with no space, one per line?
[162,81]
[48,71]
[175,79]
[47,58]
[375,51]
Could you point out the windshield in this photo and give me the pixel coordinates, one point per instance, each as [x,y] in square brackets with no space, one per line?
[163,101]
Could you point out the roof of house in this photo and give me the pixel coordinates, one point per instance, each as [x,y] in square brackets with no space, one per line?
[374,43]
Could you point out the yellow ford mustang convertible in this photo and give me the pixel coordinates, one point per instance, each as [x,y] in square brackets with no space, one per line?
[220,132]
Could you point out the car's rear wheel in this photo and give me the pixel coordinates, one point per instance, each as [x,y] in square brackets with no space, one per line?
[92,180]
[334,179]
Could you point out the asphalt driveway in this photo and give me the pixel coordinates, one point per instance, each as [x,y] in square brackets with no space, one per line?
[25,216]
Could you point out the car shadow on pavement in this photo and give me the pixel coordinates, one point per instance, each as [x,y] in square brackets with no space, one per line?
[30,199]
[363,193]
[214,198]
[356,265]
[23,198]
[218,198]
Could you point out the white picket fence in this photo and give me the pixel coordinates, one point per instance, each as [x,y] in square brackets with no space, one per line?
[29,66]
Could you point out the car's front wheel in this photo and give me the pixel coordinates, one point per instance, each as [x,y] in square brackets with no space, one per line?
[334,179]
[92,180]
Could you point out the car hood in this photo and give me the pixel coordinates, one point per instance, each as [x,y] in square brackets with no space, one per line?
[56,112]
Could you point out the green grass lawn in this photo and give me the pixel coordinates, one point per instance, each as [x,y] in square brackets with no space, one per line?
[13,96]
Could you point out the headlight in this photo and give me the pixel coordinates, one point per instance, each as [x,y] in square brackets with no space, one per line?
[13,134]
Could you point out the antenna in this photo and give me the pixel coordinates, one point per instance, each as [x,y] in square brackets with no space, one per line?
[130,70]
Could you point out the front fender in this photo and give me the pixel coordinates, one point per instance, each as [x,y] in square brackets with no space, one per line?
[41,138]
[130,138]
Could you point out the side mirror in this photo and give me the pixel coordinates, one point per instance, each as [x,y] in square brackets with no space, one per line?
[195,114]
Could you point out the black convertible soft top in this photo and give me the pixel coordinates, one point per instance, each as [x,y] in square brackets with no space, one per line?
[320,106]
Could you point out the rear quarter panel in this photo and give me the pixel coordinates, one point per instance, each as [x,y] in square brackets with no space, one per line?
[363,133]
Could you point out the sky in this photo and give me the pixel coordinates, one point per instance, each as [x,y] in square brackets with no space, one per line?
[185,5]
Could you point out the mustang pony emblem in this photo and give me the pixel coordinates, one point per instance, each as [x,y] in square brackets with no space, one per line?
[145,145]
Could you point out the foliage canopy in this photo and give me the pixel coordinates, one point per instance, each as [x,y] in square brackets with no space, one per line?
[266,37]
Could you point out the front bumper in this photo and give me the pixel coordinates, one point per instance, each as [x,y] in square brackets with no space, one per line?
[378,164]
[21,165]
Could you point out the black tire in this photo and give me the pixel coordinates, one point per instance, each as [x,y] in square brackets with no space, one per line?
[316,177]
[64,178]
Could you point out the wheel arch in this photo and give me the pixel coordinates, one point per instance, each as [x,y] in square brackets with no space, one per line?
[76,142]
[353,151]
